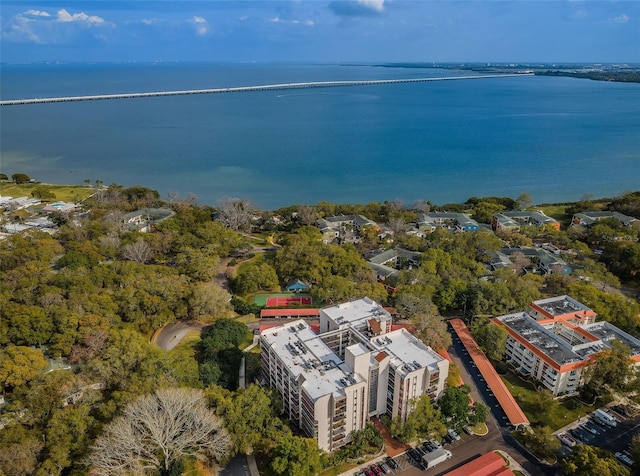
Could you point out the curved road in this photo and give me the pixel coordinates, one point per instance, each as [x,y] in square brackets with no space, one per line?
[172,334]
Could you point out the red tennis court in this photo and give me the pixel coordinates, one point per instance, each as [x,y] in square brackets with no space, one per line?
[289,301]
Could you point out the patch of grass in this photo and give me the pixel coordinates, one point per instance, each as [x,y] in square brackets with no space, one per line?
[64,193]
[248,340]
[555,414]
[186,349]
[257,259]
[335,470]
[480,429]
[559,212]
[247,319]
[454,379]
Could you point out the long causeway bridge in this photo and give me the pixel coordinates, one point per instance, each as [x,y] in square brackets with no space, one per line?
[243,89]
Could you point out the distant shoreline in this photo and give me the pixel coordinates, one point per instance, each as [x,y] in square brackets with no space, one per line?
[610,72]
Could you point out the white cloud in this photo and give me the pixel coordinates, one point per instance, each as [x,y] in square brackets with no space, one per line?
[376,5]
[66,17]
[200,24]
[357,8]
[275,20]
[619,19]
[309,23]
[41,27]
[37,13]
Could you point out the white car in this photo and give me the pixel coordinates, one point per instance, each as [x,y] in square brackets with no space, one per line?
[624,458]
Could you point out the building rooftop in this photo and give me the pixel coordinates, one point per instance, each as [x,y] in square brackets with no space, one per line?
[536,216]
[357,313]
[591,217]
[305,354]
[607,333]
[560,306]
[551,345]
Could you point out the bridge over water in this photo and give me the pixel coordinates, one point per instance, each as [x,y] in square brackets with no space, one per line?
[243,89]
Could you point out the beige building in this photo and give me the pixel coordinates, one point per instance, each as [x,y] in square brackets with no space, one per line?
[331,383]
[557,339]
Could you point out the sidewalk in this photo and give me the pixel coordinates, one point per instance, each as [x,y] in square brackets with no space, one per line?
[513,464]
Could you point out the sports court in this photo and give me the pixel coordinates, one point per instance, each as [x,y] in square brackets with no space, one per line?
[289,301]
[282,300]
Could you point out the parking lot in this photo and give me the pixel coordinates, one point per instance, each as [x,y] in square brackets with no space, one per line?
[592,431]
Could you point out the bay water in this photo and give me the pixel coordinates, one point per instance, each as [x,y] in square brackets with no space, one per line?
[555,138]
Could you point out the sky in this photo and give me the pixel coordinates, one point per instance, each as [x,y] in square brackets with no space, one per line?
[549,31]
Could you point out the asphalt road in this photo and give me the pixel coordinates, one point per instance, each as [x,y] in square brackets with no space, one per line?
[172,334]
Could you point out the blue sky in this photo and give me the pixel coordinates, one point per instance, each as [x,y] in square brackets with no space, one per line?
[321,31]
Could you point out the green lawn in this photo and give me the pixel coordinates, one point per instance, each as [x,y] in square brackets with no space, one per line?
[244,264]
[248,340]
[559,212]
[334,471]
[556,415]
[247,319]
[64,193]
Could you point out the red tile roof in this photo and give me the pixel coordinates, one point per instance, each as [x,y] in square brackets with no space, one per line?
[296,312]
[489,464]
[511,408]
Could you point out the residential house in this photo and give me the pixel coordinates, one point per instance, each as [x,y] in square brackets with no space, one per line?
[388,263]
[146,219]
[343,227]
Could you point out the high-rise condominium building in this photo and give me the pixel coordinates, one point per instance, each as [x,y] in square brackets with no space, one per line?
[331,383]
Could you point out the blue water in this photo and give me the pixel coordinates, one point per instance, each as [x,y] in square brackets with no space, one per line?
[556,138]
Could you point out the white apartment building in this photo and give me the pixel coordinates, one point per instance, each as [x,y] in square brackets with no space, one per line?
[331,383]
[557,339]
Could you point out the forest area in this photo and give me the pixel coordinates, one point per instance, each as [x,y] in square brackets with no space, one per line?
[78,309]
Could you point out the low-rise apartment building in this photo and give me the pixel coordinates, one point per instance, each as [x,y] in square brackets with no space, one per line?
[593,217]
[557,339]
[331,383]
[512,220]
[335,227]
[458,222]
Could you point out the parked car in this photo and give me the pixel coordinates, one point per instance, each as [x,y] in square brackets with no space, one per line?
[385,468]
[467,430]
[391,462]
[624,458]
[590,428]
[576,435]
[427,446]
[453,434]
[567,439]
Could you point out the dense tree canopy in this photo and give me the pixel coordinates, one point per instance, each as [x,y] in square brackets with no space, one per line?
[587,460]
[19,365]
